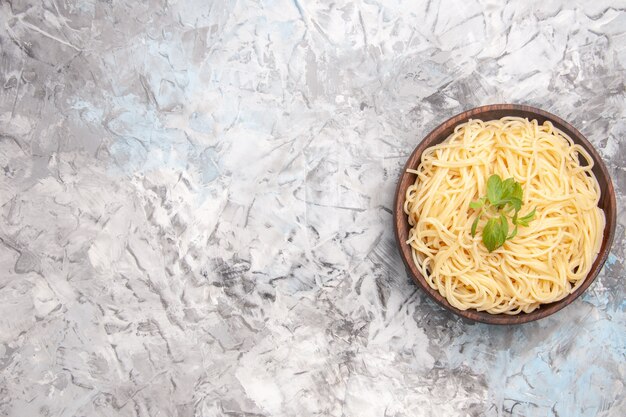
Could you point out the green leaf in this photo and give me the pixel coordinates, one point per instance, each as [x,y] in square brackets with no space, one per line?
[491,234]
[504,229]
[515,202]
[477,204]
[507,187]
[494,189]
[505,198]
[517,191]
[475,225]
[525,220]
[511,194]
[530,216]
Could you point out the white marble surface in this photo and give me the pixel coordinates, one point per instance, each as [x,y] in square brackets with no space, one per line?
[195,207]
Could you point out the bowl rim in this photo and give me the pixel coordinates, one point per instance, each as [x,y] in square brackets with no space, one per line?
[401,226]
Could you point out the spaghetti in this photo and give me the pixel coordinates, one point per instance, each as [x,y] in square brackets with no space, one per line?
[545,261]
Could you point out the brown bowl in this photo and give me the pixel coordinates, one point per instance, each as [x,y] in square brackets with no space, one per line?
[491,112]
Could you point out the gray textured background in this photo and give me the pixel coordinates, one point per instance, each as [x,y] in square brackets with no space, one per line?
[195,203]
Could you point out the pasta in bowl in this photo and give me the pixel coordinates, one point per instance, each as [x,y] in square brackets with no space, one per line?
[504,214]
